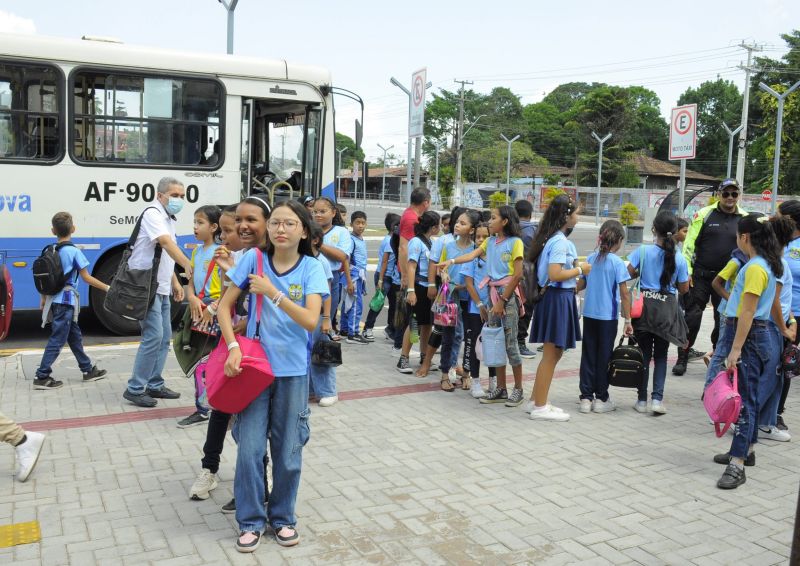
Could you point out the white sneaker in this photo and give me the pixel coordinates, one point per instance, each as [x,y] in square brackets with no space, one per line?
[528,407]
[586,406]
[452,375]
[604,406]
[774,433]
[477,391]
[205,483]
[658,407]
[549,413]
[640,407]
[28,454]
[328,401]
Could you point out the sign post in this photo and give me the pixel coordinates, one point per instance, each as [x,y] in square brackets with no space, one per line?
[355,184]
[683,143]
[416,122]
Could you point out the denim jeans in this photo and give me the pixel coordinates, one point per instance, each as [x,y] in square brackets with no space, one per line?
[727,332]
[769,406]
[64,330]
[322,378]
[458,338]
[282,411]
[153,349]
[757,377]
[655,348]
[596,349]
[351,318]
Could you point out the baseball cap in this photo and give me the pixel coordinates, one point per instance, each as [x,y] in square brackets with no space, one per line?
[729,183]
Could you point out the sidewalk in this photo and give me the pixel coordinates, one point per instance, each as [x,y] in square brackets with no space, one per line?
[398,472]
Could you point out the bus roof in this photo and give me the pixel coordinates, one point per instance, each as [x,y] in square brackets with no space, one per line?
[106,53]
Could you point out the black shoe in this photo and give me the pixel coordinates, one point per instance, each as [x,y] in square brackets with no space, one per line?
[781,425]
[680,366]
[732,478]
[229,507]
[695,354]
[196,418]
[163,393]
[94,374]
[139,399]
[44,383]
[725,459]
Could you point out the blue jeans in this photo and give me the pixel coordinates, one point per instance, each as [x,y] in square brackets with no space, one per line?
[322,378]
[724,343]
[655,348]
[351,318]
[598,344]
[153,349]
[281,411]
[769,406]
[64,330]
[757,378]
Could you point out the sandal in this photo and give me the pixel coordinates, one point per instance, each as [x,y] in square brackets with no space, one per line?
[290,539]
[466,383]
[446,385]
[248,546]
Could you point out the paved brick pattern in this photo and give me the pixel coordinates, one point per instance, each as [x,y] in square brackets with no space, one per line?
[398,473]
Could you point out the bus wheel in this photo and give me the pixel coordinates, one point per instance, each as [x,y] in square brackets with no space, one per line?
[105,272]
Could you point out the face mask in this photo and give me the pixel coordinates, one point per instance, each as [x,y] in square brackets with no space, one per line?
[174,205]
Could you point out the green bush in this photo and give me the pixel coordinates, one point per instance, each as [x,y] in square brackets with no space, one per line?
[551,193]
[628,213]
[497,199]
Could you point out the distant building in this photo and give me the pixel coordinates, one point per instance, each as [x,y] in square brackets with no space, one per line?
[657,175]
[395,183]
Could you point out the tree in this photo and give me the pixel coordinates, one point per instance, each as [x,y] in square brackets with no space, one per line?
[492,160]
[717,102]
[350,153]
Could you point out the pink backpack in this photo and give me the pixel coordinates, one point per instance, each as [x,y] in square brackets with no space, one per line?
[722,400]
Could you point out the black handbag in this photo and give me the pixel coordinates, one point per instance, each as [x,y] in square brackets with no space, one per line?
[626,368]
[132,291]
[326,352]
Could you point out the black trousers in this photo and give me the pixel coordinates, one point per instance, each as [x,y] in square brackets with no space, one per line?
[472,329]
[695,302]
[215,441]
[524,324]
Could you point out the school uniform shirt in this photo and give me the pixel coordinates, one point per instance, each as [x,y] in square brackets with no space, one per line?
[478,269]
[156,222]
[559,250]
[338,237]
[72,262]
[728,274]
[754,277]
[326,267]
[792,256]
[391,267]
[601,299]
[201,259]
[654,265]
[438,246]
[452,250]
[359,257]
[501,254]
[280,335]
[787,281]
[419,252]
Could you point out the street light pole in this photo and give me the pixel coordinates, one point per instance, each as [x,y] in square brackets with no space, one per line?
[383,184]
[731,134]
[438,144]
[778,131]
[230,6]
[599,174]
[399,85]
[508,163]
[339,175]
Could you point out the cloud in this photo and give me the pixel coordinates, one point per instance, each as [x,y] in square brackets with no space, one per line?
[10,23]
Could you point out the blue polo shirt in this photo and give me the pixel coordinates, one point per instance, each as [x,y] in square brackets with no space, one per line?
[557,250]
[654,266]
[477,269]
[338,237]
[72,262]
[419,252]
[601,300]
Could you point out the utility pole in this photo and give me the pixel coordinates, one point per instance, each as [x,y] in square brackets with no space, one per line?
[383,184]
[740,159]
[339,174]
[438,144]
[417,159]
[601,141]
[460,143]
[731,135]
[230,6]
[778,131]
[508,164]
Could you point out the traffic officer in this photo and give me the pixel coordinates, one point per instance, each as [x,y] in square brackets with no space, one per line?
[708,247]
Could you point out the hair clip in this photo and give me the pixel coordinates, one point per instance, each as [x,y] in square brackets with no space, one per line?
[763,219]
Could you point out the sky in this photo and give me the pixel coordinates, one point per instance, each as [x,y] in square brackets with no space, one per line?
[529,46]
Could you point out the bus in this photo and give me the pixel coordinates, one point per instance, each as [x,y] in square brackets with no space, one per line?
[90,126]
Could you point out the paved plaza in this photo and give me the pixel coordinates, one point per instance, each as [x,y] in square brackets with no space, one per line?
[398,472]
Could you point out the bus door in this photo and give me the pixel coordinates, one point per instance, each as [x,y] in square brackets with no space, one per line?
[281,149]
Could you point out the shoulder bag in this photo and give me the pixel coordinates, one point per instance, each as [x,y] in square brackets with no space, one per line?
[132,290]
[637,299]
[626,367]
[722,401]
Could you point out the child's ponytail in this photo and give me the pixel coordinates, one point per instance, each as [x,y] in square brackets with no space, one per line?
[611,234]
[665,226]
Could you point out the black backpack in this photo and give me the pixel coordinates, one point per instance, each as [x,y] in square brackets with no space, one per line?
[48,273]
[626,368]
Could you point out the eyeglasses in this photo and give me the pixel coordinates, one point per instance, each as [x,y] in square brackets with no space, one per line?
[318,212]
[730,194]
[288,224]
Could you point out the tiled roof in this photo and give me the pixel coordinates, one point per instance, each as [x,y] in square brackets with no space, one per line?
[646,165]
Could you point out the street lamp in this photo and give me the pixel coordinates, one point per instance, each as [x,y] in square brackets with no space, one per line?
[508,163]
[731,134]
[230,6]
[383,185]
[778,131]
[599,174]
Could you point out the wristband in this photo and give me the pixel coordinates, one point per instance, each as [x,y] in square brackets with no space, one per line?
[212,311]
[792,321]
[233,346]
[325,317]
[480,305]
[580,271]
[627,321]
[276,300]
[411,290]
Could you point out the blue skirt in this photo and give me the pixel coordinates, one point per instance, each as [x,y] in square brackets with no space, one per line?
[556,320]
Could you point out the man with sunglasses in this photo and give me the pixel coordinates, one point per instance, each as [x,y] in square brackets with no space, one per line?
[707,248]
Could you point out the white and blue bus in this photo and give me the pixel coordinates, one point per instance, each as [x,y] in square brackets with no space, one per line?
[90,126]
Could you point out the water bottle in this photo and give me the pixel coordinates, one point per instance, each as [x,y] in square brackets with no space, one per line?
[414,330]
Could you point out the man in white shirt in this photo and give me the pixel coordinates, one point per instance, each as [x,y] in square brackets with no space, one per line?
[146,385]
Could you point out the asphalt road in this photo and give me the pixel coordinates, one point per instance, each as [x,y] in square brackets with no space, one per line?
[26,331]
